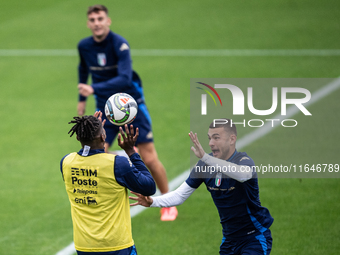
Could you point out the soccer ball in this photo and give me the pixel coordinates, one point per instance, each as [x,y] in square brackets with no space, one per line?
[121,109]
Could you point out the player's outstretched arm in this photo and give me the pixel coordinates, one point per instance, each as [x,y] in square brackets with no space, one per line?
[173,198]
[145,201]
[132,173]
[81,108]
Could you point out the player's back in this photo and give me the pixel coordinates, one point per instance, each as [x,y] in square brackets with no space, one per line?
[99,204]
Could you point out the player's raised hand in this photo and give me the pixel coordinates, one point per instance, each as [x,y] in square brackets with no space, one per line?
[99,115]
[197,148]
[85,90]
[127,140]
[145,201]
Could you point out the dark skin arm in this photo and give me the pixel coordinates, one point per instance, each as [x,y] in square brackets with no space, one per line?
[145,201]
[127,140]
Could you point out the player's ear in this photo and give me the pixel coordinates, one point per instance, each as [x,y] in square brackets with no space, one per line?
[102,137]
[233,139]
[78,138]
[109,21]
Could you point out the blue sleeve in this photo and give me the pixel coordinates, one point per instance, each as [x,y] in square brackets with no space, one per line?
[61,165]
[124,73]
[133,174]
[83,73]
[194,182]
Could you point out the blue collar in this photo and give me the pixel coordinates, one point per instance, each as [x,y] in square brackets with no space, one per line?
[91,152]
[109,35]
[229,159]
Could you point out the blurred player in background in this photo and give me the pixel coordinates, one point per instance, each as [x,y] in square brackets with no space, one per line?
[235,192]
[106,56]
[96,183]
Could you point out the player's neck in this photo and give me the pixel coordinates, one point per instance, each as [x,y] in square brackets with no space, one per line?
[95,146]
[101,38]
[231,153]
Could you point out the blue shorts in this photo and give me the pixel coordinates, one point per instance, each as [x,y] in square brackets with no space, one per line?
[128,251]
[260,244]
[142,121]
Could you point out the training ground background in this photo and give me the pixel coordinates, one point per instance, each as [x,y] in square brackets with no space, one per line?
[39,96]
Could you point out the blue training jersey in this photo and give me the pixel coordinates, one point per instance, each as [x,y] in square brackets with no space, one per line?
[110,65]
[238,203]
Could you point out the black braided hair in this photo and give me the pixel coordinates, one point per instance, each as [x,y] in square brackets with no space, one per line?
[86,127]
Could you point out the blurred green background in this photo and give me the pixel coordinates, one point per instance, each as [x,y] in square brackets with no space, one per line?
[39,96]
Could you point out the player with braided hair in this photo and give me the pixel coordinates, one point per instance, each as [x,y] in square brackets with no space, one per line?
[85,127]
[96,184]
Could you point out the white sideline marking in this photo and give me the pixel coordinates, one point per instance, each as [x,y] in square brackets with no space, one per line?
[235,52]
[183,52]
[243,142]
[68,250]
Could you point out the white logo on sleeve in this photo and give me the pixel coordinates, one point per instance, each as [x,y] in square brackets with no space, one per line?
[124,46]
[244,158]
[129,162]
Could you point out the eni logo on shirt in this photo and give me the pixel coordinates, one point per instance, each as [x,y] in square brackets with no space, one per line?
[86,200]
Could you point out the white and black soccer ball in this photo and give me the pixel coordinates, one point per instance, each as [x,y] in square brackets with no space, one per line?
[121,109]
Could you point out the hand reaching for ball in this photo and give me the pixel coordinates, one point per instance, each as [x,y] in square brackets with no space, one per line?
[127,140]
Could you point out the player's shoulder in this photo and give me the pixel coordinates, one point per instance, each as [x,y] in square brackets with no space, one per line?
[69,155]
[117,37]
[119,42]
[85,42]
[122,161]
[108,156]
[66,159]
[242,158]
[122,166]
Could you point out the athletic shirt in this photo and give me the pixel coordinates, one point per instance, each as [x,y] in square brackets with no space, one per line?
[109,63]
[97,185]
[238,203]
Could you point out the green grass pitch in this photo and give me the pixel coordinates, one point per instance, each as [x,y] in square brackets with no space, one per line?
[39,95]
